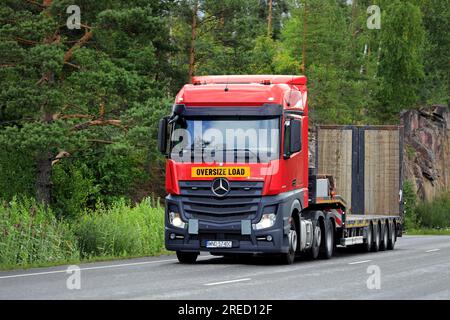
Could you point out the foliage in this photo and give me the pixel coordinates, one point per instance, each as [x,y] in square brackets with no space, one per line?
[30,234]
[435,214]
[412,221]
[122,230]
[401,65]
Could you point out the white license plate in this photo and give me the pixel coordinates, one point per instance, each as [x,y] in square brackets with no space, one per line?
[219,244]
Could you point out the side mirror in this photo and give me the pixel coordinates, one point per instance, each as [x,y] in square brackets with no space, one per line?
[296,136]
[162,135]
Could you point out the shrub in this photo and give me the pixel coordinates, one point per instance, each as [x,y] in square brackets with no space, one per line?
[412,221]
[435,214]
[30,234]
[122,230]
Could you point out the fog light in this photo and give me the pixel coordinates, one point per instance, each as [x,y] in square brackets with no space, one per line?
[172,236]
[269,238]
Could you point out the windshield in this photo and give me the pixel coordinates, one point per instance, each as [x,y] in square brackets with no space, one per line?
[225,140]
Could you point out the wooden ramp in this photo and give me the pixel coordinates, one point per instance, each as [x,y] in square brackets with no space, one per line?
[366,162]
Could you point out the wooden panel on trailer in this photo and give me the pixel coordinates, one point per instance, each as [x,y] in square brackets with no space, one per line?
[335,158]
[381,172]
[366,162]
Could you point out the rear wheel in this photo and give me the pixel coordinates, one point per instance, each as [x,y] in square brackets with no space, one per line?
[392,237]
[187,257]
[317,236]
[369,239]
[288,258]
[384,242]
[376,238]
[327,243]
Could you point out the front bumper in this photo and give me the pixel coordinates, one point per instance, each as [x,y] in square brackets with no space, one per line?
[240,232]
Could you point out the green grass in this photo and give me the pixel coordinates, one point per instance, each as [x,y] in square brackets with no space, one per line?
[434,232]
[31,235]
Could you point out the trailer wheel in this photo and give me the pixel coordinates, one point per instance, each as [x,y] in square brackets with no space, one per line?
[384,242]
[376,238]
[289,257]
[187,257]
[327,245]
[317,237]
[391,241]
[369,239]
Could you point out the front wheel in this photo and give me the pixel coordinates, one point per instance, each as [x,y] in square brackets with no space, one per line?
[187,257]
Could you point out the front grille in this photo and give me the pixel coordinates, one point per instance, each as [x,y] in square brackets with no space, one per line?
[241,202]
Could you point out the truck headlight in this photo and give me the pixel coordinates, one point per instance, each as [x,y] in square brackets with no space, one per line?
[267,221]
[175,220]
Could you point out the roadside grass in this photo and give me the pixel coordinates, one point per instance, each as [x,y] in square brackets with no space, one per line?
[31,235]
[428,232]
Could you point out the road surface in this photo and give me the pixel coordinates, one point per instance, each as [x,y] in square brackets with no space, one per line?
[418,268]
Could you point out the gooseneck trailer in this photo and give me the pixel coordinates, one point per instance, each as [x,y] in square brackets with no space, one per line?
[239,180]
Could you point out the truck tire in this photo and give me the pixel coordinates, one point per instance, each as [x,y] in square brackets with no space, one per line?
[289,257]
[317,237]
[327,242]
[187,257]
[367,246]
[376,237]
[385,238]
[392,237]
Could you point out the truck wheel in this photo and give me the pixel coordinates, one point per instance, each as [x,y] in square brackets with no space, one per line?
[288,258]
[384,242]
[376,238]
[317,237]
[369,239]
[327,245]
[187,257]
[391,241]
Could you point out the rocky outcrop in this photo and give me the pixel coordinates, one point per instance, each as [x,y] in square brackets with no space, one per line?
[426,150]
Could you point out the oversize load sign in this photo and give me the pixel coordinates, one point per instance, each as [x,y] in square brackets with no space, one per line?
[220,172]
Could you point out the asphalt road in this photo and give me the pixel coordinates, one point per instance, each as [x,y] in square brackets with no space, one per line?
[418,268]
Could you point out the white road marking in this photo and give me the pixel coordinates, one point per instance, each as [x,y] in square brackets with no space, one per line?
[93,268]
[225,282]
[358,262]
[433,250]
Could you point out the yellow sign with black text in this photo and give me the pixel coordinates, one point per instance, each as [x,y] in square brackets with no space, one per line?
[205,172]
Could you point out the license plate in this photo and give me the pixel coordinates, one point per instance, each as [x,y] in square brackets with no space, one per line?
[220,172]
[219,244]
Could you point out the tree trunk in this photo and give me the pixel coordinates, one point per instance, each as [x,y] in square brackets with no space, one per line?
[193,37]
[269,20]
[44,177]
[45,157]
[305,30]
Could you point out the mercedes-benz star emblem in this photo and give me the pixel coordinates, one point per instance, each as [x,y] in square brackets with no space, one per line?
[220,187]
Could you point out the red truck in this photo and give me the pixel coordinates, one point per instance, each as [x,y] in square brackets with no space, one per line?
[238,177]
